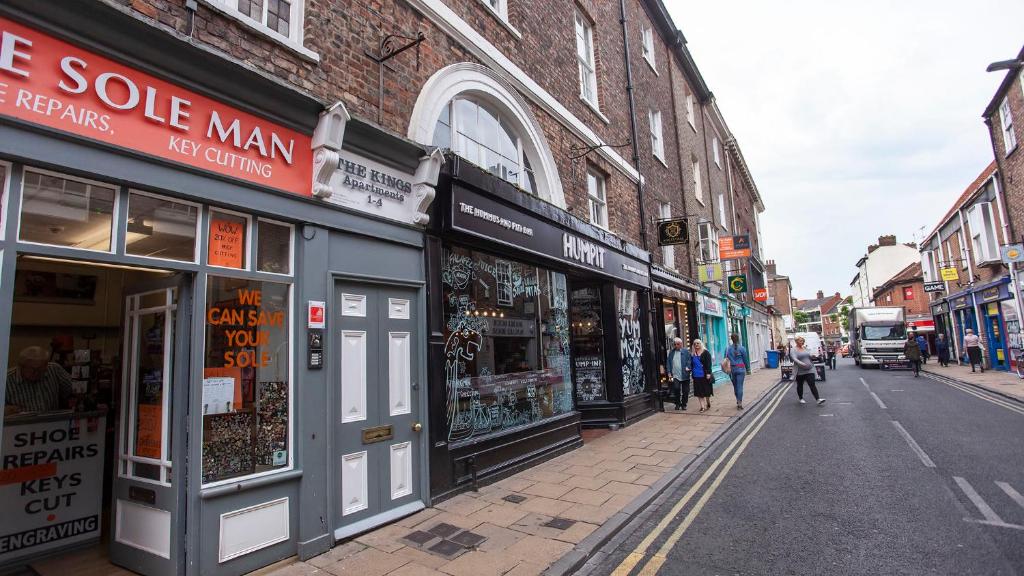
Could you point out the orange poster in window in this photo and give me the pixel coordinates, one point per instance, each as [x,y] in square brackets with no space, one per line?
[227,243]
[149,430]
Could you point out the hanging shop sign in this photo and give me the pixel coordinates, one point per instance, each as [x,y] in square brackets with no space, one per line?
[737,284]
[760,294]
[961,302]
[491,220]
[734,247]
[710,272]
[934,286]
[51,83]
[950,274]
[370,187]
[672,232]
[1012,253]
[51,484]
[994,293]
[708,305]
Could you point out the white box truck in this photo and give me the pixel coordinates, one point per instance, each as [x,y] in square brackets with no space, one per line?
[877,335]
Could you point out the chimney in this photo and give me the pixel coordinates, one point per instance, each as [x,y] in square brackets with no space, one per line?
[821,295]
[889,240]
[769,267]
[872,248]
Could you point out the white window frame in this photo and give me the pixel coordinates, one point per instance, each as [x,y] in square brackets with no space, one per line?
[980,218]
[698,186]
[715,149]
[205,241]
[691,116]
[668,253]
[1006,120]
[708,241]
[503,293]
[291,247]
[586,63]
[600,201]
[721,211]
[647,43]
[199,226]
[500,13]
[294,40]
[657,136]
[453,139]
[115,213]
[5,194]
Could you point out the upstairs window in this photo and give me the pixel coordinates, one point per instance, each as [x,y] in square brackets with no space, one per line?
[983,232]
[690,115]
[482,136]
[668,253]
[657,142]
[716,152]
[282,17]
[708,236]
[721,211]
[585,58]
[597,199]
[647,42]
[698,189]
[1009,138]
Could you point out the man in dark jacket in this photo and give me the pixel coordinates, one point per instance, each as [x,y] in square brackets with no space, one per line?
[942,349]
[678,369]
[913,353]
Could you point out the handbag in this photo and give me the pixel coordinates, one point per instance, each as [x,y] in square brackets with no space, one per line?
[726,366]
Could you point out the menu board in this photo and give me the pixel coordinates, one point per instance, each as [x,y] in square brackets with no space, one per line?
[589,378]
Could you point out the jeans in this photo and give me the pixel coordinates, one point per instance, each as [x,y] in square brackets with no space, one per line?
[916,365]
[809,379]
[737,385]
[681,390]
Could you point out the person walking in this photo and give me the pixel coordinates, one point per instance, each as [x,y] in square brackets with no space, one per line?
[738,362]
[804,366]
[942,350]
[703,388]
[973,345]
[913,353]
[680,364]
[922,343]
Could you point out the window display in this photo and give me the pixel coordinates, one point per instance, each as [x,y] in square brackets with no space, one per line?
[245,379]
[228,240]
[588,344]
[627,306]
[507,344]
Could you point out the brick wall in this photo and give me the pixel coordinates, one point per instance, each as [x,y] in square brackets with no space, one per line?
[896,296]
[1012,166]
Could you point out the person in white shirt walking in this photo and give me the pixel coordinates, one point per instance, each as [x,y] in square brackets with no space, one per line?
[973,345]
[801,358]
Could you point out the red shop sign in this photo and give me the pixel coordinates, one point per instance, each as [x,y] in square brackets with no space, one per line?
[52,83]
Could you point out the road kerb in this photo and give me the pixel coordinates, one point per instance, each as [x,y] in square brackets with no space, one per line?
[588,547]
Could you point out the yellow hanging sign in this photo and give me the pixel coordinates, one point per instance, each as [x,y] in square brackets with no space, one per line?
[950,274]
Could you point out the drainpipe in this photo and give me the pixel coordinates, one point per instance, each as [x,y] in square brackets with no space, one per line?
[632,126]
[968,256]
[679,157]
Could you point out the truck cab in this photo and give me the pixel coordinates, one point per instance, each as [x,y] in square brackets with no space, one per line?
[877,335]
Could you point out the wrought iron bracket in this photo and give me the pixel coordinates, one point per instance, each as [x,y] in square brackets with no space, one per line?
[390,46]
[577,152]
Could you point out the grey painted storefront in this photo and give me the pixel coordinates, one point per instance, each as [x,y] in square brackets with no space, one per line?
[331,245]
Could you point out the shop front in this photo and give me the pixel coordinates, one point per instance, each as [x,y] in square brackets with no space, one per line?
[996,306]
[758,336]
[675,304]
[712,327]
[961,307]
[173,268]
[538,326]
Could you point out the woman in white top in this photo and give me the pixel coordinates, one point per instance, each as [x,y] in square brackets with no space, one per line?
[973,345]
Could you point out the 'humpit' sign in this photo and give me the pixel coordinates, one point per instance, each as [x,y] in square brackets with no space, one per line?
[51,485]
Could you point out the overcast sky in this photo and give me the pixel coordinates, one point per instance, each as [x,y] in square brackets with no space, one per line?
[857,119]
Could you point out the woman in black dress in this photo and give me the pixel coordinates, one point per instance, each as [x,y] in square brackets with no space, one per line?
[702,378]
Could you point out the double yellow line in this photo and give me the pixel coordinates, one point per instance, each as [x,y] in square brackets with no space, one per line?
[730,455]
[1008,404]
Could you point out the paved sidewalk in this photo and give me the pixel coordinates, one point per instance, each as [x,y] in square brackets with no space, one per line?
[1003,382]
[522,524]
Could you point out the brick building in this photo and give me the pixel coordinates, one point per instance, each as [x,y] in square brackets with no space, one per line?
[961,258]
[459,198]
[906,289]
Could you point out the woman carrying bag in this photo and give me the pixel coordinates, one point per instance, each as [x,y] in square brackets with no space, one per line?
[735,365]
[701,374]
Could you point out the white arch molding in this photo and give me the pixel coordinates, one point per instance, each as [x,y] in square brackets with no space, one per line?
[468,78]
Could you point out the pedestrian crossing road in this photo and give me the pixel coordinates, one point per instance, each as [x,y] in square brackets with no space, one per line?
[892,475]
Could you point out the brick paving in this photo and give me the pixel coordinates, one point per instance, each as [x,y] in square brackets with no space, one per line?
[522,524]
[1003,382]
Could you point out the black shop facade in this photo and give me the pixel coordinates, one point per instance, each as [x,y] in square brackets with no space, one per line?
[538,327]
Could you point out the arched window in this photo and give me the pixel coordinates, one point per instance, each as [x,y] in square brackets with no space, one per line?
[481,135]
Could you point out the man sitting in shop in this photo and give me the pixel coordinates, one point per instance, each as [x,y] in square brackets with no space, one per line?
[36,385]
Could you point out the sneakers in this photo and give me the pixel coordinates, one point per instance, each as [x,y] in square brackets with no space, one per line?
[739,406]
[821,401]
[802,401]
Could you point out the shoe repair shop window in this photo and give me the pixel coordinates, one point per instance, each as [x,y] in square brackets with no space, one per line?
[246,378]
[64,211]
[507,344]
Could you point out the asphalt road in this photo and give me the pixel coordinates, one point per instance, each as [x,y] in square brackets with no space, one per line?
[893,475]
